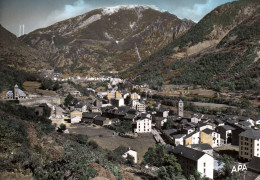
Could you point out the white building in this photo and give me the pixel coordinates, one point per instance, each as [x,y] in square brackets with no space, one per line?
[143,126]
[249,144]
[124,151]
[178,139]
[138,106]
[210,137]
[192,160]
[180,108]
[18,93]
[118,102]
[75,119]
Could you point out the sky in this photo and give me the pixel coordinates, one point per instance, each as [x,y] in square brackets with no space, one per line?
[36,14]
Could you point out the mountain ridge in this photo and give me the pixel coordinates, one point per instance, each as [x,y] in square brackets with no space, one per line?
[106,41]
[200,47]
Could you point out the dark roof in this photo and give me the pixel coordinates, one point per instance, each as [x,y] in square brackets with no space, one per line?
[159,118]
[132,111]
[169,132]
[218,121]
[208,131]
[144,115]
[231,121]
[254,164]
[100,118]
[201,146]
[202,124]
[129,116]
[89,115]
[226,127]
[245,123]
[178,136]
[162,110]
[250,133]
[121,150]
[79,105]
[188,153]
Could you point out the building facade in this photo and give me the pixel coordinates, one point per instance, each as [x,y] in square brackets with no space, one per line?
[180,108]
[143,126]
[249,144]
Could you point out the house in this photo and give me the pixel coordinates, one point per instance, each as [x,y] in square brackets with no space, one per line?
[256,121]
[225,133]
[192,138]
[187,130]
[162,112]
[253,165]
[39,111]
[168,134]
[80,107]
[89,117]
[178,139]
[76,113]
[203,126]
[138,106]
[75,119]
[9,95]
[94,109]
[208,136]
[18,94]
[219,122]
[192,160]
[159,122]
[124,151]
[245,124]
[101,121]
[135,96]
[235,133]
[195,118]
[114,95]
[249,144]
[206,148]
[118,102]
[142,125]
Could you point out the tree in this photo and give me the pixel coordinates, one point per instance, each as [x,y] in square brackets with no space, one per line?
[62,127]
[129,160]
[169,173]
[68,99]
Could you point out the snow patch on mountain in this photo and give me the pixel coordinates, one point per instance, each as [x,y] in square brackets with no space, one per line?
[85,23]
[111,10]
[90,20]
[132,25]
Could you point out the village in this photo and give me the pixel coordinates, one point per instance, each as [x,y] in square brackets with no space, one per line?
[121,121]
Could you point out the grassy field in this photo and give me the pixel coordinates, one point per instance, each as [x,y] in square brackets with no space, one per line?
[105,139]
[34,88]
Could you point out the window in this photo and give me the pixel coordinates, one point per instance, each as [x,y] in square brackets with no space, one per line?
[204,164]
[204,171]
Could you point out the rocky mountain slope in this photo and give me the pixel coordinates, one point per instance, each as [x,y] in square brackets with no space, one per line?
[109,39]
[17,54]
[222,50]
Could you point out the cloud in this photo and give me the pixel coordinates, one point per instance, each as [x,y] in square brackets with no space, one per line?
[69,10]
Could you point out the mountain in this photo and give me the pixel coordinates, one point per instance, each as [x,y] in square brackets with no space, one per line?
[108,39]
[17,54]
[222,50]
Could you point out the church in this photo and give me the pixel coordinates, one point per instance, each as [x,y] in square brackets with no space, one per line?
[17,94]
